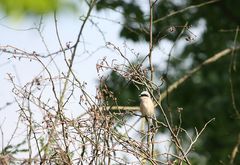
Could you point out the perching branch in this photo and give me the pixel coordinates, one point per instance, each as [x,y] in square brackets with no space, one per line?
[180,81]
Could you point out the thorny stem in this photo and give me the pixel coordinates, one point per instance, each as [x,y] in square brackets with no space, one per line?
[150,37]
[74,51]
[180,81]
[151,138]
[70,64]
[167,70]
[102,132]
[176,140]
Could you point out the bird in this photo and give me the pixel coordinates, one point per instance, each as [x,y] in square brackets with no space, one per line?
[146,106]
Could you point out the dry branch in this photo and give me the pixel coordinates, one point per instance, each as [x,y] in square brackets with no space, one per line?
[180,81]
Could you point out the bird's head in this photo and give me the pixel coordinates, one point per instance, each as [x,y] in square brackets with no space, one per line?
[144,94]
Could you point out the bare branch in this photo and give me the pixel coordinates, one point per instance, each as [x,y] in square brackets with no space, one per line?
[185,9]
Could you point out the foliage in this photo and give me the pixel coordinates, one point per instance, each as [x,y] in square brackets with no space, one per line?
[206,104]
[207,94]
[32,7]
[7,153]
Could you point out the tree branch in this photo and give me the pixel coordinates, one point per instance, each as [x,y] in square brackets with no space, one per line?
[185,9]
[180,81]
[210,60]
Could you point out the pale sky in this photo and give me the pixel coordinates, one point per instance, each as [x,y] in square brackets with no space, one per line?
[13,32]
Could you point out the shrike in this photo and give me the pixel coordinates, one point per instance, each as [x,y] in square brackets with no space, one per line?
[146,106]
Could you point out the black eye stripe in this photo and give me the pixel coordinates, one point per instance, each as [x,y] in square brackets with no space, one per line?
[144,95]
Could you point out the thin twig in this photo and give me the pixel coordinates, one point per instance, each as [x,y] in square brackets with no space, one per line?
[185,9]
[197,136]
[231,69]
[151,37]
